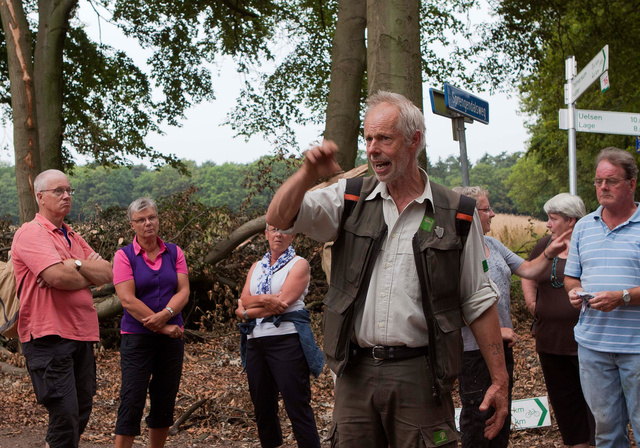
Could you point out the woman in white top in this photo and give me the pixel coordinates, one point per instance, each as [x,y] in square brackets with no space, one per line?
[272,302]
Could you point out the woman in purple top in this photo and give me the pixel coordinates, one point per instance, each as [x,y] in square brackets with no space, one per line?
[152,282]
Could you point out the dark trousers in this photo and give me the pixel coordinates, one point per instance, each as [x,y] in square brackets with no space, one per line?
[277,363]
[562,377]
[63,374]
[389,403]
[474,380]
[152,361]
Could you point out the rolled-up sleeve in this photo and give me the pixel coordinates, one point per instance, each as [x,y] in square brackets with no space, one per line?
[320,213]
[475,286]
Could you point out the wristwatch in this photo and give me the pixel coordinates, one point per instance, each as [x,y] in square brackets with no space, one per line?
[626,297]
[168,308]
[78,264]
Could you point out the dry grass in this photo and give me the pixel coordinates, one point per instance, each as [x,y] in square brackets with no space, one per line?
[518,233]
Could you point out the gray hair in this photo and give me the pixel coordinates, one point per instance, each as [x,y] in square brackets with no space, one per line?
[566,205]
[41,181]
[410,118]
[473,192]
[619,157]
[141,204]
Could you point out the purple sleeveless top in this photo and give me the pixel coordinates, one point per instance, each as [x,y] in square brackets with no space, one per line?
[153,288]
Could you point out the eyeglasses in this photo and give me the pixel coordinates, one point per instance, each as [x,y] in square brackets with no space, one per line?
[60,191]
[274,230]
[486,210]
[612,181]
[151,219]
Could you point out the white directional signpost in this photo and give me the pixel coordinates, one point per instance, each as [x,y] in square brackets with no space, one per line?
[602,122]
[460,107]
[576,86]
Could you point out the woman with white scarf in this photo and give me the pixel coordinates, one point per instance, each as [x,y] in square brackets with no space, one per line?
[278,349]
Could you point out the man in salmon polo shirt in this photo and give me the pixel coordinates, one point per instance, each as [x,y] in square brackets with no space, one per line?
[58,324]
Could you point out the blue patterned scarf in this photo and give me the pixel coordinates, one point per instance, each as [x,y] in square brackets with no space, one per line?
[264,282]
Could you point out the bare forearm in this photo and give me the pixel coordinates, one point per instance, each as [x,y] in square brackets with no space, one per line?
[486,330]
[97,272]
[286,202]
[571,283]
[530,291]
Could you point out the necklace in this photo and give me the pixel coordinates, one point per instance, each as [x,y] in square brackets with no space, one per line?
[554,276]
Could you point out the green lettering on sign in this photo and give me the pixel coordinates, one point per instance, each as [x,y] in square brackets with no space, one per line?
[440,437]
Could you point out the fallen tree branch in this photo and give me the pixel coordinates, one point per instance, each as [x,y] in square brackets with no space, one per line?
[183,418]
[10,369]
[257,225]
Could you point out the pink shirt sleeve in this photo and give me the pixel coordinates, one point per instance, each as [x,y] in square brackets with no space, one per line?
[121,268]
[181,263]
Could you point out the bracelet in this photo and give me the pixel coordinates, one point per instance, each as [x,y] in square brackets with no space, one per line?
[544,252]
[169,309]
[244,313]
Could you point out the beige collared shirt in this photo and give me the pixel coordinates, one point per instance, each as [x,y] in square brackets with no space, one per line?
[392,313]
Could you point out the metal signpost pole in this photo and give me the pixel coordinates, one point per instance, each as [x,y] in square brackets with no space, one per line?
[570,72]
[462,141]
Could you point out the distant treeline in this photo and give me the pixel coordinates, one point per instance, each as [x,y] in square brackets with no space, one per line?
[249,187]
[99,188]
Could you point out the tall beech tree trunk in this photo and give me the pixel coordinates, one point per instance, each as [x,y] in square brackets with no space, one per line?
[36,92]
[25,119]
[53,25]
[348,63]
[393,50]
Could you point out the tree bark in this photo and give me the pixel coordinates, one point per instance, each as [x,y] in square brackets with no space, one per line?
[394,60]
[25,119]
[348,63]
[53,26]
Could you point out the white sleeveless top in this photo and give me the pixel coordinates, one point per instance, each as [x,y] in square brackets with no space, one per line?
[277,280]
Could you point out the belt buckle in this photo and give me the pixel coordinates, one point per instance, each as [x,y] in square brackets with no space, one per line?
[373,352]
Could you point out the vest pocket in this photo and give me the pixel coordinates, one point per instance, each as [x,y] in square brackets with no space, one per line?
[337,313]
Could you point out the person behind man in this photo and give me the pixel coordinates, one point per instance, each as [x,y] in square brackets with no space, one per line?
[58,324]
[604,260]
[375,329]
[474,377]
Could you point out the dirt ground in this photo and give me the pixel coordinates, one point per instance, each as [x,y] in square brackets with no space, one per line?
[212,376]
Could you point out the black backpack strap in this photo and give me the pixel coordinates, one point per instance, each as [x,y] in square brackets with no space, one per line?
[464,217]
[351,197]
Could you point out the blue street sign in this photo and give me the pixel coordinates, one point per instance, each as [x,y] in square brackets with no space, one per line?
[466,104]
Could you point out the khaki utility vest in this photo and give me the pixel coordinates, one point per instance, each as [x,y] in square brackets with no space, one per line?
[437,249]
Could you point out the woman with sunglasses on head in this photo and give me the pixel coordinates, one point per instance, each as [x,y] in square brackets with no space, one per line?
[152,282]
[474,379]
[278,349]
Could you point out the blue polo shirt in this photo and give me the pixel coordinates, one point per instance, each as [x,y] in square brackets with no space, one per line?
[607,260]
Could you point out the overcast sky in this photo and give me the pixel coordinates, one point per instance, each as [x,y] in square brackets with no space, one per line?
[203,138]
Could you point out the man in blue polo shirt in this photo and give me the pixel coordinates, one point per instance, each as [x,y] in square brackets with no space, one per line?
[604,260]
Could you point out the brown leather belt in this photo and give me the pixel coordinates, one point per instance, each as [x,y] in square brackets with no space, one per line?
[382,352]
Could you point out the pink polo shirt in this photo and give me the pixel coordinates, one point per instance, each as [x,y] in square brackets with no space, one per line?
[37,245]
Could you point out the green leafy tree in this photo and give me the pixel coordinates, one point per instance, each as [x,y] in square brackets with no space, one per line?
[67,93]
[527,44]
[491,172]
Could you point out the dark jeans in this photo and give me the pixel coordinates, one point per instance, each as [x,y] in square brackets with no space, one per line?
[474,381]
[63,374]
[152,361]
[277,363]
